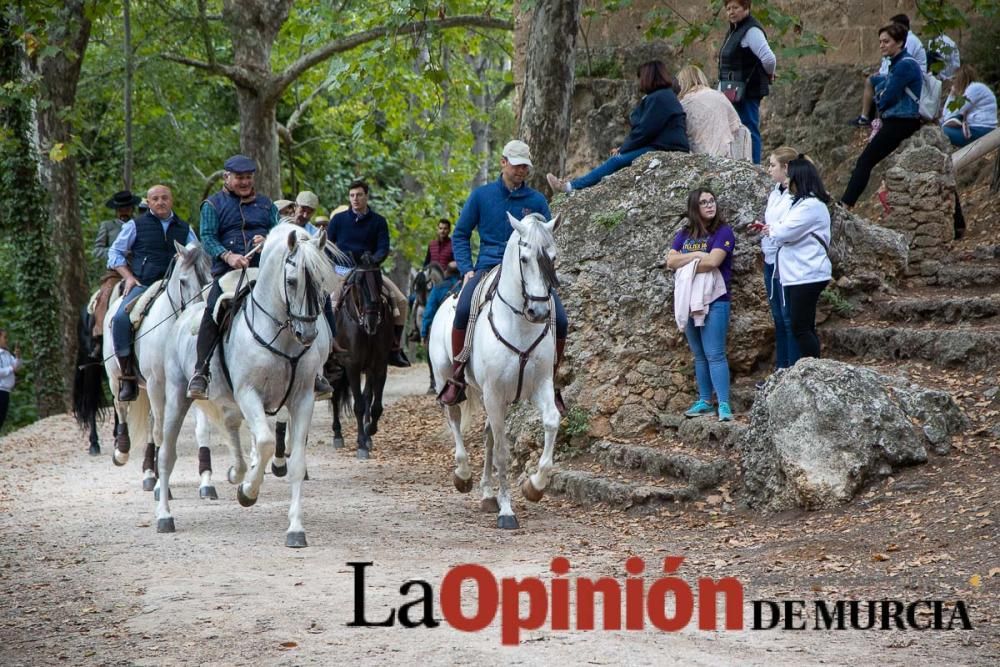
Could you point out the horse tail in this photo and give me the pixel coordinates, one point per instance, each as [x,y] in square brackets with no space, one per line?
[342,392]
[89,378]
[139,416]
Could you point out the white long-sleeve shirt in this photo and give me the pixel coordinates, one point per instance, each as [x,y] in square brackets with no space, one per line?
[802,258]
[8,365]
[755,40]
[777,206]
[979,110]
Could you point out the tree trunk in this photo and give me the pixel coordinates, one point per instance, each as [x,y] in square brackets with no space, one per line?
[259,139]
[59,75]
[544,116]
[36,276]
[481,127]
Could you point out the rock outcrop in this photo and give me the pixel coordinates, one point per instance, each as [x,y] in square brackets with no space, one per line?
[822,430]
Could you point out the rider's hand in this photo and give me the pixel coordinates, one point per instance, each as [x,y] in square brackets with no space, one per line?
[237,261]
[130,282]
[468,277]
[257,239]
[367,259]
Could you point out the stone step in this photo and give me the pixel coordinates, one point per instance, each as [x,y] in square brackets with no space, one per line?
[589,488]
[973,349]
[696,472]
[968,274]
[709,431]
[945,308]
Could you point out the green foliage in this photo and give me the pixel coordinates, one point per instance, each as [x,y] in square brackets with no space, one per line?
[576,422]
[609,219]
[838,303]
[607,67]
[983,50]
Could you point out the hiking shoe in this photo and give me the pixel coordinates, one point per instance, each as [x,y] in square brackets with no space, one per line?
[557,184]
[860,121]
[725,414]
[699,409]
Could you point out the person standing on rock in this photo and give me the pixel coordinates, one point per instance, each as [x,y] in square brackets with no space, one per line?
[746,68]
[896,96]
[658,124]
[803,257]
[707,239]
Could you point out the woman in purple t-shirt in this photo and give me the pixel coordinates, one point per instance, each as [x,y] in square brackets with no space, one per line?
[708,239]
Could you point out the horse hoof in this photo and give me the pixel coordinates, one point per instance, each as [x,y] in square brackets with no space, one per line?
[148,484]
[116,461]
[231,476]
[529,491]
[489,505]
[208,492]
[156,494]
[244,500]
[338,442]
[279,471]
[507,522]
[296,539]
[165,525]
[95,450]
[363,454]
[463,485]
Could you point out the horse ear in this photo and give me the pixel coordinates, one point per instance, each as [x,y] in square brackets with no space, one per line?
[519,225]
[321,239]
[292,240]
[180,249]
[553,224]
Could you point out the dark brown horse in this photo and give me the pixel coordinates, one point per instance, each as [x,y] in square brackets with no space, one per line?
[364,329]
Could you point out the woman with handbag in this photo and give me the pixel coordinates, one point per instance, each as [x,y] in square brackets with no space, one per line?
[658,124]
[803,258]
[746,68]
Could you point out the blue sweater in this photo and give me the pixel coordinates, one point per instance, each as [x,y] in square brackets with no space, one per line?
[434,301]
[659,121]
[356,236]
[486,210]
[890,91]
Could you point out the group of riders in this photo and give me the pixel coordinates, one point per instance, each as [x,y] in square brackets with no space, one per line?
[235,220]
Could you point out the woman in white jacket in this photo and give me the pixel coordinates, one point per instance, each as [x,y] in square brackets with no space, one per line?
[786,350]
[803,258]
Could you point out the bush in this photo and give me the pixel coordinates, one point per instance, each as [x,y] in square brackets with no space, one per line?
[983,50]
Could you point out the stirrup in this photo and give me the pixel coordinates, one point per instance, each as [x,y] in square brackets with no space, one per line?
[196,389]
[458,388]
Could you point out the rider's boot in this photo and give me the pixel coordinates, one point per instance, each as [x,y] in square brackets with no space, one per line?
[208,336]
[454,388]
[396,356]
[128,385]
[560,346]
[322,389]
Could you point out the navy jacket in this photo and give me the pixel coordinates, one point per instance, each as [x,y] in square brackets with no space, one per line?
[356,236]
[152,250]
[235,224]
[659,121]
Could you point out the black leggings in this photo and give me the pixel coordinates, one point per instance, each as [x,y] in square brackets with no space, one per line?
[894,131]
[802,301]
[4,405]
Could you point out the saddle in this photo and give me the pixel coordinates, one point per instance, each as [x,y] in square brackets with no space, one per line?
[138,309]
[483,295]
[100,301]
[230,297]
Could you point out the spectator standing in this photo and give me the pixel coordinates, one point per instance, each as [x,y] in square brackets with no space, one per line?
[10,364]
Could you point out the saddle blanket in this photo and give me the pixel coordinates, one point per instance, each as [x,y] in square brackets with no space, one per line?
[229,283]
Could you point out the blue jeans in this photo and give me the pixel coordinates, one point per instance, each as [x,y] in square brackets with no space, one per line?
[708,343]
[749,113]
[786,349]
[956,137]
[609,167]
[121,327]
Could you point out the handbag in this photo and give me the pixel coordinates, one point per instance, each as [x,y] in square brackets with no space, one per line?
[733,90]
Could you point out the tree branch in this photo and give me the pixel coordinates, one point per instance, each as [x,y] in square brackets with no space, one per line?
[293,71]
[237,75]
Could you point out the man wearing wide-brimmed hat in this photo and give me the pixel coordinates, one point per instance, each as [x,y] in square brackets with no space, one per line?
[123,204]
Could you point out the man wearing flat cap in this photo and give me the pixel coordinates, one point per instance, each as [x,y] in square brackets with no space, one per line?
[233,221]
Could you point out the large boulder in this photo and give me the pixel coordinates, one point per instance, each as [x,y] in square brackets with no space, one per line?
[822,430]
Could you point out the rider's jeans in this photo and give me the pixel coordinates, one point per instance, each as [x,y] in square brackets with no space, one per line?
[121,327]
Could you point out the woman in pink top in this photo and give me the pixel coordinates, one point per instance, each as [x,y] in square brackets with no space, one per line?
[712,122]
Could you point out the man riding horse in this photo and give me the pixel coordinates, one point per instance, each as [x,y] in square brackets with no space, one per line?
[486,210]
[141,255]
[359,231]
[233,221]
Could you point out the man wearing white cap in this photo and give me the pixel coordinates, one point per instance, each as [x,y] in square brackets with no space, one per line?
[305,206]
[286,208]
[486,210]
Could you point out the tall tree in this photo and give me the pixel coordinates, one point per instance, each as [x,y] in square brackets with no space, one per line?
[253,26]
[547,96]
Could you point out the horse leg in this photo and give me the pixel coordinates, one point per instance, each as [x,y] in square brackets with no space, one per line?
[149,467]
[430,366]
[338,436]
[496,411]
[123,443]
[279,467]
[488,482]
[300,417]
[376,404]
[203,434]
[238,470]
[253,412]
[95,443]
[533,487]
[360,411]
[167,456]
[462,477]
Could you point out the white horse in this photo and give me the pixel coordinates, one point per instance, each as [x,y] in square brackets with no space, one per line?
[513,350]
[270,358]
[184,287]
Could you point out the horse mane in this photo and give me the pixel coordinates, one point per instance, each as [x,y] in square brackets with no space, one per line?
[197,256]
[538,236]
[312,261]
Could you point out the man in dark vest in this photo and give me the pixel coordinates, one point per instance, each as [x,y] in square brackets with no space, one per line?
[141,255]
[746,57]
[233,221]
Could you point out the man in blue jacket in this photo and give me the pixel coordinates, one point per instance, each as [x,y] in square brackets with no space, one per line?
[486,211]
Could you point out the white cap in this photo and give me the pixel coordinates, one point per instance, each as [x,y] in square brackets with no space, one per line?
[282,203]
[307,198]
[517,152]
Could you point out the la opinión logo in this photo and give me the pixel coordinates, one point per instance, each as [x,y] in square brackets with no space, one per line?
[632,604]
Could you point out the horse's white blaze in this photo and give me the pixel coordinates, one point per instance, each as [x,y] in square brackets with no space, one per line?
[492,371]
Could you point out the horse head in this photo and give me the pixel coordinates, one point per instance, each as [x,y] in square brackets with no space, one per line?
[190,273]
[530,258]
[420,286]
[368,295]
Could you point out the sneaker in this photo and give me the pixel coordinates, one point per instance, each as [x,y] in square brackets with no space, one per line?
[557,185]
[860,121]
[725,414]
[699,409]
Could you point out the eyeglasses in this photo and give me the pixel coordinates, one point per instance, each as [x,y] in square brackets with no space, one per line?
[707,202]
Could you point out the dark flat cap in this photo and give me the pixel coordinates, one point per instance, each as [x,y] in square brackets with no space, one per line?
[240,164]
[123,199]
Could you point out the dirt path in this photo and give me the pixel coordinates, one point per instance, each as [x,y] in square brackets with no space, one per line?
[85,579]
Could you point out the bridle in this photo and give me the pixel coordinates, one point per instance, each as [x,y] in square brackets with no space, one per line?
[372,302]
[526,298]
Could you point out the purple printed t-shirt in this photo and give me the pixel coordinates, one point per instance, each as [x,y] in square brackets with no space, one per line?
[723,238]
